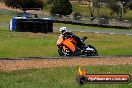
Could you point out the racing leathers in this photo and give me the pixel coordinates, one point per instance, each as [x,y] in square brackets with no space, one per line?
[80,43]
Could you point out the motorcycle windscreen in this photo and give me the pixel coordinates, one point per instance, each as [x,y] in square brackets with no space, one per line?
[69,44]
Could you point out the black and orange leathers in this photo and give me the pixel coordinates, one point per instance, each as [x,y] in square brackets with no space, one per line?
[79,43]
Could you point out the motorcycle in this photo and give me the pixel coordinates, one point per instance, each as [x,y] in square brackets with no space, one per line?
[68,47]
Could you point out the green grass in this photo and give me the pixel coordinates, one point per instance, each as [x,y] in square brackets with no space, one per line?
[128,15]
[88,27]
[60,77]
[82,9]
[25,44]
[6,15]
[16,44]
[4,18]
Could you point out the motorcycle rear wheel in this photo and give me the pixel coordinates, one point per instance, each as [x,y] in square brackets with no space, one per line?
[93,53]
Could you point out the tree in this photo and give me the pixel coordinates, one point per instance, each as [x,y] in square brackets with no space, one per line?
[119,8]
[24,3]
[62,7]
[48,2]
[79,1]
[2,1]
[129,5]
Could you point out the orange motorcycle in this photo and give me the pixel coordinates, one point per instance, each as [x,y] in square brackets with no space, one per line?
[68,47]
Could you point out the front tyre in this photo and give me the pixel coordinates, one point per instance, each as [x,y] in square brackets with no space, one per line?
[61,52]
[64,53]
[68,53]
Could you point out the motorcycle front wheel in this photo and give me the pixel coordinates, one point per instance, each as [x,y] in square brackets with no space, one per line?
[64,53]
[60,51]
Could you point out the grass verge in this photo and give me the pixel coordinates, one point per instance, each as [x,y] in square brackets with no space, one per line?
[25,44]
[88,27]
[4,19]
[60,77]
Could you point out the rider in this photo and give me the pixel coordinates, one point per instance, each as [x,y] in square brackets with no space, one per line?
[66,34]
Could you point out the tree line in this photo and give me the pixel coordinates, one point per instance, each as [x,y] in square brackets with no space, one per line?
[64,7]
[24,3]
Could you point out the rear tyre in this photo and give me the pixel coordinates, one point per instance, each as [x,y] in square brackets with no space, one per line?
[92,53]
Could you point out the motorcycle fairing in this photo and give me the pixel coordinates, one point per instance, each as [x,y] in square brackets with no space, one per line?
[69,43]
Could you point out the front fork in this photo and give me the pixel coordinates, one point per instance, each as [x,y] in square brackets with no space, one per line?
[66,51]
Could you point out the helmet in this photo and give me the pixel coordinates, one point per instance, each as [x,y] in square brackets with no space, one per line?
[63,30]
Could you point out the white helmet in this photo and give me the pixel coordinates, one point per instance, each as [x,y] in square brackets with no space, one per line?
[63,30]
